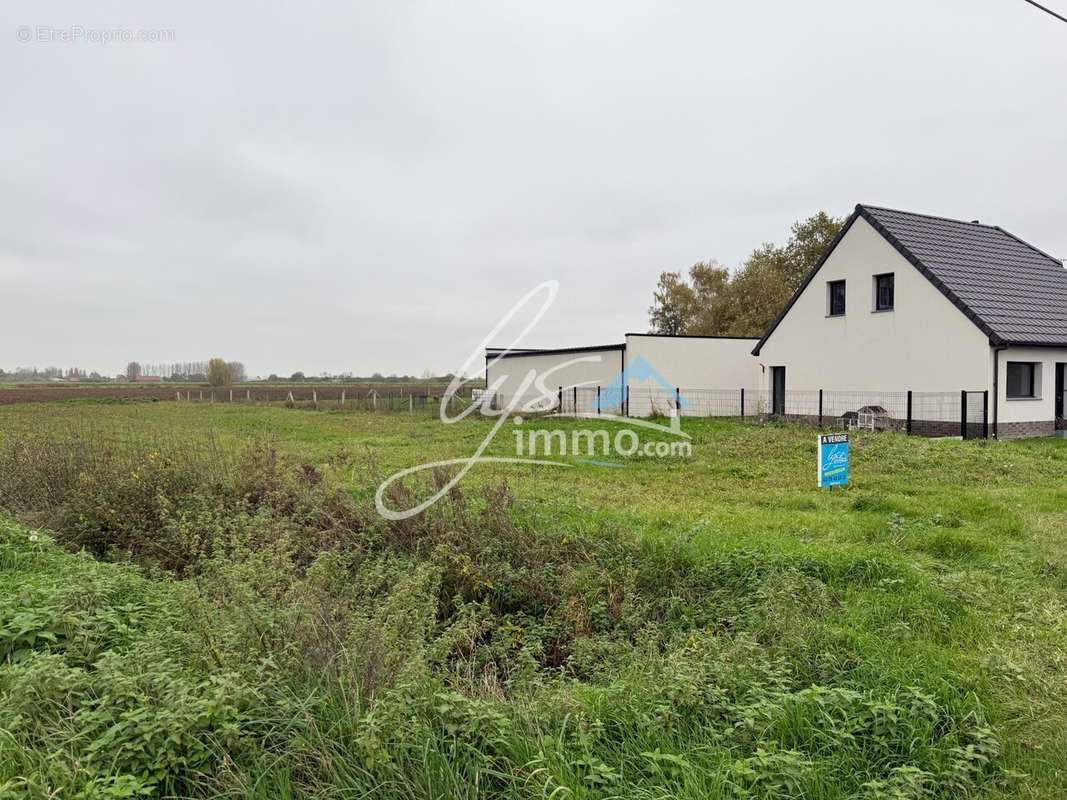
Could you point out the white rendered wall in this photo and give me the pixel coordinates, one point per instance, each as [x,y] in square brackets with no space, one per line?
[698,363]
[713,371]
[529,377]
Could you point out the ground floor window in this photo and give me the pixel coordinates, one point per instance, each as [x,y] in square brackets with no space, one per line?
[1022,379]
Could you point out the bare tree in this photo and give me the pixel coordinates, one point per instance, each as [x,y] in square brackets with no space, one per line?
[133,370]
[237,371]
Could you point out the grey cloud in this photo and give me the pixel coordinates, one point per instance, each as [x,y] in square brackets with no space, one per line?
[369,186]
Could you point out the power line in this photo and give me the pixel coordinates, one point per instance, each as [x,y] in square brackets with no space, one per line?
[1047,10]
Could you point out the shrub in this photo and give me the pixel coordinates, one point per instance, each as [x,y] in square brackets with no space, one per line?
[95,692]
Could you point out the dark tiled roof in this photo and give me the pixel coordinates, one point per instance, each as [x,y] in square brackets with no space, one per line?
[1014,292]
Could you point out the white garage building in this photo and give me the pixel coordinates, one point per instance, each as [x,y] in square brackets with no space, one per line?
[644,374]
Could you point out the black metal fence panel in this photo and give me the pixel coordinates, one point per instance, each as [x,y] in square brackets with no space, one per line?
[934,414]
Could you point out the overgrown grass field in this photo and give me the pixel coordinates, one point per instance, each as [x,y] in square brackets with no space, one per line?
[201,601]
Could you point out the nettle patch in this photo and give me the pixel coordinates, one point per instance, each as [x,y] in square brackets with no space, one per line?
[94,692]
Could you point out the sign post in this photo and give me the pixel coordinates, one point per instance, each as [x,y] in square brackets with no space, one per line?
[833,460]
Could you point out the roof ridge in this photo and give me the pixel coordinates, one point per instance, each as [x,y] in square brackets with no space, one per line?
[1008,233]
[932,216]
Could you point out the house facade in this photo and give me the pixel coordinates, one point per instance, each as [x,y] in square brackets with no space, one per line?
[904,301]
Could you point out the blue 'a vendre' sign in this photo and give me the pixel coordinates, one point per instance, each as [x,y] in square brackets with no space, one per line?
[833,460]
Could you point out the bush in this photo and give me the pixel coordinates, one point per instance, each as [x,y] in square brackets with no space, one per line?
[96,691]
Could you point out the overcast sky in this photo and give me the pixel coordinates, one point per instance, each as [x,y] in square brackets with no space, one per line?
[369,186]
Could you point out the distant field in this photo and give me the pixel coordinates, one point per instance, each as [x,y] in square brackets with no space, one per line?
[11,393]
[705,627]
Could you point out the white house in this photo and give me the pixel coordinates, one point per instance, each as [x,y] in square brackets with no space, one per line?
[903,301]
[644,374]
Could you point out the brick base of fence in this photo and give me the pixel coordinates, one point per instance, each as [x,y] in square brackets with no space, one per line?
[933,428]
[919,427]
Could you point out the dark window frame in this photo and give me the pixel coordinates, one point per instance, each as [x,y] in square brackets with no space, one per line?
[1009,390]
[830,306]
[879,304]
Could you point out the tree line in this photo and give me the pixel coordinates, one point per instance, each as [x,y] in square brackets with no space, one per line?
[713,301]
[50,373]
[179,369]
[216,371]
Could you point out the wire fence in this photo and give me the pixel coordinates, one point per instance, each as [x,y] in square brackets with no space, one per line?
[339,398]
[963,413]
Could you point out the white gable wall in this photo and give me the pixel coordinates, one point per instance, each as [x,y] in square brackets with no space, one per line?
[924,344]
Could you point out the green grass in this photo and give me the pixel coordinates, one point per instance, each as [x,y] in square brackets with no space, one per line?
[722,627]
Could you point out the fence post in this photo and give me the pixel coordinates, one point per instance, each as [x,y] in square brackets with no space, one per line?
[411,404]
[212,395]
[231,395]
[742,404]
[985,414]
[179,395]
[820,409]
[626,408]
[909,412]
[677,402]
[576,401]
[559,400]
[342,397]
[201,394]
[598,400]
[963,413]
[315,397]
